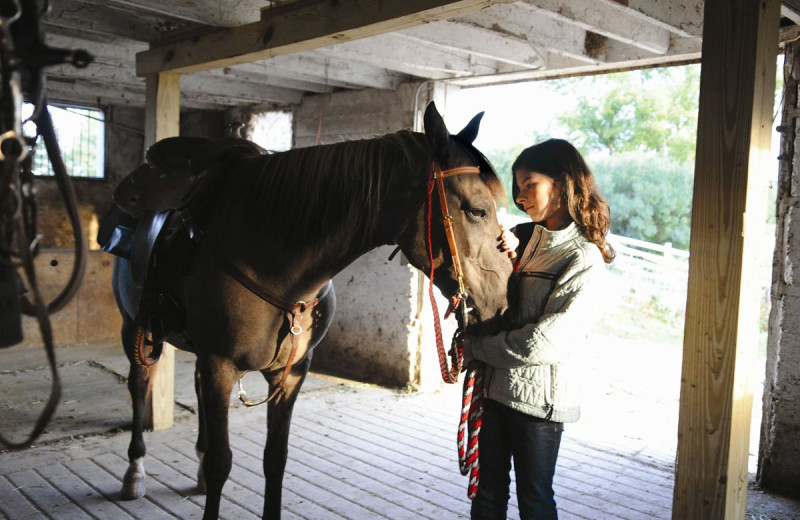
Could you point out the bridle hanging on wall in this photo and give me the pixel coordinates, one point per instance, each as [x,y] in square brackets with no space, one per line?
[23,57]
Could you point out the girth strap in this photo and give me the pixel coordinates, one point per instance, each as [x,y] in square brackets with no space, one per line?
[294,313]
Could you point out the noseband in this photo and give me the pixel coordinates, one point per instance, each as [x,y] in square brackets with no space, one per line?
[459,300]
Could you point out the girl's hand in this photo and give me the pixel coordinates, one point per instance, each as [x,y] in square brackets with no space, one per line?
[508,242]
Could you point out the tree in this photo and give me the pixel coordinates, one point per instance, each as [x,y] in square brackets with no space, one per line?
[650,110]
[650,197]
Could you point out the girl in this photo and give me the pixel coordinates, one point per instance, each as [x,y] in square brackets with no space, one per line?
[558,277]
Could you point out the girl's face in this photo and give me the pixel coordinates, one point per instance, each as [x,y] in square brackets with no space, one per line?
[541,196]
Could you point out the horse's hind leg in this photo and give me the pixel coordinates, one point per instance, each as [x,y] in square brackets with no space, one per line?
[202,443]
[133,484]
[279,417]
[217,376]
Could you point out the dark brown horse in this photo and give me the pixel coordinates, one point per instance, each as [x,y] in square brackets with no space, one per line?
[274,230]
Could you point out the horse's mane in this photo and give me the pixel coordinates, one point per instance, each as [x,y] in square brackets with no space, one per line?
[304,195]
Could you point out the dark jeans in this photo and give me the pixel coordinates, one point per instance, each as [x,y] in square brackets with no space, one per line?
[533,443]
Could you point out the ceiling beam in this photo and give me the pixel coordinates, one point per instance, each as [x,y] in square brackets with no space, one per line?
[100,19]
[478,41]
[312,66]
[410,56]
[542,31]
[610,22]
[683,17]
[682,52]
[217,13]
[308,27]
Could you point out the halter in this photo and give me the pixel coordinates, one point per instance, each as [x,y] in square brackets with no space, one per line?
[437,180]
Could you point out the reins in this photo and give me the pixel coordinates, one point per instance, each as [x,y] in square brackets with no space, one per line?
[472,406]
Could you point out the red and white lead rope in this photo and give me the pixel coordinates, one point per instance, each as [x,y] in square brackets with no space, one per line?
[469,426]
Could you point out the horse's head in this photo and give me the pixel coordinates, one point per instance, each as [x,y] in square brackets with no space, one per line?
[471,196]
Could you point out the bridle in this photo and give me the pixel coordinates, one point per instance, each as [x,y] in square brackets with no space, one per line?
[436,180]
[469,426]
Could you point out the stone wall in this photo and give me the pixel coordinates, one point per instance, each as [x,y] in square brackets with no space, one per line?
[779,452]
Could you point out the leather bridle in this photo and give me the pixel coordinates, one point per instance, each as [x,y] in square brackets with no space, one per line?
[449,375]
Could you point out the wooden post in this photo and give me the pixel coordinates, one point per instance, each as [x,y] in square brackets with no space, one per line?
[737,84]
[162,120]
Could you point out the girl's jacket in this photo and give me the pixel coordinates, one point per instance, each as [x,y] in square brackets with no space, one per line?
[560,279]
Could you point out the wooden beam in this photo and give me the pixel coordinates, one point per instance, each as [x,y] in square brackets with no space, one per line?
[162,120]
[478,41]
[679,16]
[602,19]
[541,30]
[408,55]
[313,26]
[737,86]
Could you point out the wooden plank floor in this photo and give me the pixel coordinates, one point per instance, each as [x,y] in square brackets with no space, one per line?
[356,452]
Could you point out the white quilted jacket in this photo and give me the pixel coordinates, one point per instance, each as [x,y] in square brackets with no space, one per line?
[560,277]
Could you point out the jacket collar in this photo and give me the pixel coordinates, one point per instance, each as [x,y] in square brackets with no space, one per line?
[554,238]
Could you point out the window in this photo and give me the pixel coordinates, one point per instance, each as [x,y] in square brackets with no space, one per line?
[272,130]
[81,137]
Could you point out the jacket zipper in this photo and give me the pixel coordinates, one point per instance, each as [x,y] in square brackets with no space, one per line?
[551,405]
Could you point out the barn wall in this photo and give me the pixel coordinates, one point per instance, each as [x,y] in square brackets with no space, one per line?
[779,452]
[92,315]
[382,331]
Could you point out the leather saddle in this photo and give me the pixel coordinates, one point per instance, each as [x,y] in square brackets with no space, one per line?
[156,201]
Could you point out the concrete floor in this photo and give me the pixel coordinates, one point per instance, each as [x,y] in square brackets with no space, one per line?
[356,452]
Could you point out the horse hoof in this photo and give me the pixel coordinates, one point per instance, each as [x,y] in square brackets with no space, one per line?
[131,490]
[133,482]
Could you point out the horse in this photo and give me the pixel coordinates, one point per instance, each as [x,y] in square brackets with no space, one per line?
[248,273]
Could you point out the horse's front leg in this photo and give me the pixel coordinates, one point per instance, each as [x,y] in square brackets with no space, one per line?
[133,483]
[217,376]
[279,417]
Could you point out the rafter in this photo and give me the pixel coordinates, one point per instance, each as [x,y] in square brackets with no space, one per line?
[411,56]
[683,17]
[522,22]
[478,41]
[610,22]
[309,27]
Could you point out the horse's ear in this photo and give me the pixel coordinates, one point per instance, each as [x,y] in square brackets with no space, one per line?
[470,132]
[436,132]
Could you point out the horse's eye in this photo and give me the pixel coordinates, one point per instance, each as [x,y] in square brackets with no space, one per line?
[476,212]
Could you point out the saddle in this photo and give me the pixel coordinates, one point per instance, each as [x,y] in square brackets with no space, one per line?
[154,205]
[162,194]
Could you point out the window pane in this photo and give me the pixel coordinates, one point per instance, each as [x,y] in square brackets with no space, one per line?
[81,137]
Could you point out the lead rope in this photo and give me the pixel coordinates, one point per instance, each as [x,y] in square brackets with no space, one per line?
[469,426]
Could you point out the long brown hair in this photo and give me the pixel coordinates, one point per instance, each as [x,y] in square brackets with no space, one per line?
[560,160]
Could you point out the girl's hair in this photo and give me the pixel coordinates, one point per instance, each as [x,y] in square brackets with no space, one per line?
[560,160]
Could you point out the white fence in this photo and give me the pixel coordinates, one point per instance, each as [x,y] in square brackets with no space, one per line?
[649,275]
[654,277]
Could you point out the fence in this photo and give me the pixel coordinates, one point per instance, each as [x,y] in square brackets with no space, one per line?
[647,275]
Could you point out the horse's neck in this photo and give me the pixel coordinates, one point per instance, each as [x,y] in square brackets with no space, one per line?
[395,186]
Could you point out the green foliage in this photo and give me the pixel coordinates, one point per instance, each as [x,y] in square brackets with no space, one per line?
[650,198]
[502,161]
[650,110]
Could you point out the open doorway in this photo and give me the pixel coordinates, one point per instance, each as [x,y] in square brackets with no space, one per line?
[637,130]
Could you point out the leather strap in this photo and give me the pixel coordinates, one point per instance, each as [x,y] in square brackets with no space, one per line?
[447,219]
[294,313]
